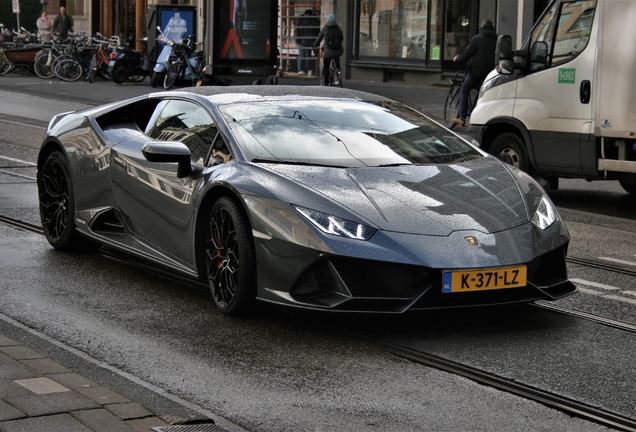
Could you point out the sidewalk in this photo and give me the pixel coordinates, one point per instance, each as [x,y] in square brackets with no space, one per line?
[37,393]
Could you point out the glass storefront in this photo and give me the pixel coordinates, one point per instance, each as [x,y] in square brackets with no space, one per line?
[422,32]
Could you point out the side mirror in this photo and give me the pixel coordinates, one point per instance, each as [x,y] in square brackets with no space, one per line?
[504,55]
[538,56]
[169,151]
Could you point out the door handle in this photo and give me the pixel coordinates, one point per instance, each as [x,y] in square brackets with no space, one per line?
[585,92]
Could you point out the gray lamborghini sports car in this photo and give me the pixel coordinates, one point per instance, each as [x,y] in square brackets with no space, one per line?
[311,197]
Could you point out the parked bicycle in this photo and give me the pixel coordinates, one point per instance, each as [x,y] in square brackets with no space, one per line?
[71,67]
[335,77]
[189,66]
[101,59]
[46,59]
[451,107]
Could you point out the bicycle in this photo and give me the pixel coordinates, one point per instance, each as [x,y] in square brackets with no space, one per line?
[46,59]
[451,107]
[335,77]
[70,67]
[101,59]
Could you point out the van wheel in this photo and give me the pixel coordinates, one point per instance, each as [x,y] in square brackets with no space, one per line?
[510,148]
[628,182]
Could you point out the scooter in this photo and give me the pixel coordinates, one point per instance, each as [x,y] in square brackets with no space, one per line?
[127,64]
[167,56]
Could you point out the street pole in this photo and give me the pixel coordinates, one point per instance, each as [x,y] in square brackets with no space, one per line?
[16,10]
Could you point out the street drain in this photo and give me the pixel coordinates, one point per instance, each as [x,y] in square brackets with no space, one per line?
[190,428]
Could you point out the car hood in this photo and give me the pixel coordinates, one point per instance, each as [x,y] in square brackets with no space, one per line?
[480,195]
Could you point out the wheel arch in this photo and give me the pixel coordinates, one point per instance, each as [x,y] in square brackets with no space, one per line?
[45,151]
[500,125]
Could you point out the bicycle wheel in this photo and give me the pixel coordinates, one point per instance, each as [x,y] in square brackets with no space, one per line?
[451,107]
[5,65]
[42,67]
[336,77]
[6,68]
[68,70]
[322,77]
[173,73]
[92,69]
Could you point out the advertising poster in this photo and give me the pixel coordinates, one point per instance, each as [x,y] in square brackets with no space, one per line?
[244,30]
[176,24]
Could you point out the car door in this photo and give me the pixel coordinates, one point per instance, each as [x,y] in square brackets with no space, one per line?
[554,99]
[156,204]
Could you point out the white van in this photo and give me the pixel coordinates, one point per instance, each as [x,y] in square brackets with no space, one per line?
[564,105]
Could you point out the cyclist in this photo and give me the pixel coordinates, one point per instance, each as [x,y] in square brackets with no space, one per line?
[480,55]
[333,36]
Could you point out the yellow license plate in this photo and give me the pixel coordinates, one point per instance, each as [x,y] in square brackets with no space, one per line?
[484,279]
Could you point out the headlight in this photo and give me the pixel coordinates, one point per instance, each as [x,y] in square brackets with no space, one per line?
[545,215]
[336,226]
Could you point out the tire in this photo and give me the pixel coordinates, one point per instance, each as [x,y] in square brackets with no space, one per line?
[322,77]
[68,70]
[230,258]
[92,69]
[6,68]
[57,204]
[172,74]
[451,107]
[336,76]
[40,67]
[156,79]
[119,74]
[628,183]
[511,149]
[137,78]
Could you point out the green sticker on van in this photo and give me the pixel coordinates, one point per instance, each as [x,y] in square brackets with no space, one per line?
[567,76]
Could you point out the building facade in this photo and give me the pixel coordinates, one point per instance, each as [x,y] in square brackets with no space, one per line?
[411,41]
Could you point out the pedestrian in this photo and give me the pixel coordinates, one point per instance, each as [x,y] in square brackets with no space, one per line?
[62,24]
[44,28]
[480,55]
[306,32]
[333,49]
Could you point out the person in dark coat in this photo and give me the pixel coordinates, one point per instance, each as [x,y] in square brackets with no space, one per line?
[62,24]
[330,54]
[306,32]
[480,55]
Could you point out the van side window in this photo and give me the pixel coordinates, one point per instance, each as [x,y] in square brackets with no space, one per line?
[565,30]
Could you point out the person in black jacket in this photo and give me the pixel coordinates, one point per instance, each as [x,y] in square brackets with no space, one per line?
[306,32]
[480,55]
[332,52]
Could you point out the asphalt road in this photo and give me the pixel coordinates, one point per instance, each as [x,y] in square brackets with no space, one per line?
[287,371]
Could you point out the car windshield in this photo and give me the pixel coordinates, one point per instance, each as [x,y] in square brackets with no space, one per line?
[343,133]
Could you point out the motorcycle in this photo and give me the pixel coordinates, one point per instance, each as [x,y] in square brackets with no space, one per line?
[127,64]
[168,38]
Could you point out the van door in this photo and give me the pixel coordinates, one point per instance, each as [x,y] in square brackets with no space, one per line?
[554,99]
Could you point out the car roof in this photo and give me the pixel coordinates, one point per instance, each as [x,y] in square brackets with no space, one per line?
[225,94]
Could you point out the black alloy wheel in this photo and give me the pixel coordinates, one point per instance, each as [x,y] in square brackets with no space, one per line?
[230,258]
[57,205]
